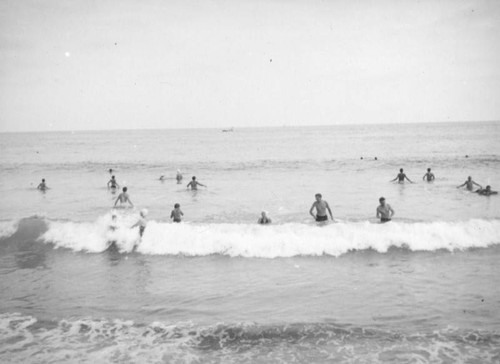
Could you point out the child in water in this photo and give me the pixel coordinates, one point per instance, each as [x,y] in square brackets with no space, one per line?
[176,213]
[142,222]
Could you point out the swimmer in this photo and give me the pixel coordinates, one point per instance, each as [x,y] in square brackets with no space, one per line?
[176,213]
[470,184]
[110,171]
[113,225]
[430,176]
[384,211]
[264,219]
[194,183]
[401,177]
[487,191]
[42,186]
[141,222]
[123,197]
[178,177]
[321,206]
[162,178]
[112,183]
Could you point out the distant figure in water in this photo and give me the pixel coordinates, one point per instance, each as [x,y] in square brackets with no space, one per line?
[429,176]
[470,184]
[264,219]
[112,238]
[194,184]
[114,224]
[123,198]
[401,177]
[142,222]
[162,178]
[178,177]
[176,213]
[42,186]
[112,183]
[321,206]
[110,171]
[487,191]
[384,211]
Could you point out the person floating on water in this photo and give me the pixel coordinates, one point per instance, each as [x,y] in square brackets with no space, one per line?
[264,219]
[401,177]
[429,176]
[470,184]
[42,186]
[384,211]
[487,191]
[178,177]
[176,213]
[194,184]
[112,183]
[141,222]
[321,206]
[123,198]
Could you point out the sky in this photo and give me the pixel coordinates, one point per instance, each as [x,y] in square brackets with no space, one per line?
[154,64]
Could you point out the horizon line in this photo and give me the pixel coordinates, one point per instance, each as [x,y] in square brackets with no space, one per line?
[232,128]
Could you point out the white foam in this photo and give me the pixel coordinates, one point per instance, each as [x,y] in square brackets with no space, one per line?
[96,236]
[7,228]
[275,240]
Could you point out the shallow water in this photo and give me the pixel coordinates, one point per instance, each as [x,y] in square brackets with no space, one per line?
[219,287]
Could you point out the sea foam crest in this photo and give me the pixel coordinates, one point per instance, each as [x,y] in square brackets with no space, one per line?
[7,228]
[273,241]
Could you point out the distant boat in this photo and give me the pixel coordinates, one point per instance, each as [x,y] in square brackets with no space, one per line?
[227,130]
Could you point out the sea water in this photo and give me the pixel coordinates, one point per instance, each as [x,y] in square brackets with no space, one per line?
[219,287]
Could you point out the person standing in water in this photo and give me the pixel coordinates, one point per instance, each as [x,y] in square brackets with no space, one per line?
[321,207]
[470,184]
[141,222]
[176,213]
[194,184]
[429,176]
[112,183]
[123,198]
[401,177]
[178,177]
[264,219]
[42,186]
[384,211]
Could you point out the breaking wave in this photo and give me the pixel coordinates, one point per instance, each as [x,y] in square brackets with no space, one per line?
[27,339]
[245,240]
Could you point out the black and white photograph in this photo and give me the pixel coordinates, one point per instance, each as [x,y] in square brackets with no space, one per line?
[249,181]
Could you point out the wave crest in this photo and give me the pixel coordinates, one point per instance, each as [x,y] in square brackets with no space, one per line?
[273,241]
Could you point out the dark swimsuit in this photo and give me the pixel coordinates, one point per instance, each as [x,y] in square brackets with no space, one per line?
[321,218]
[384,219]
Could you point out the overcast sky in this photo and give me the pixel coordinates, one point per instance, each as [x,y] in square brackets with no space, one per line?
[119,64]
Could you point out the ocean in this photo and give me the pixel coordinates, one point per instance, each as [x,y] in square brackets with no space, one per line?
[220,288]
